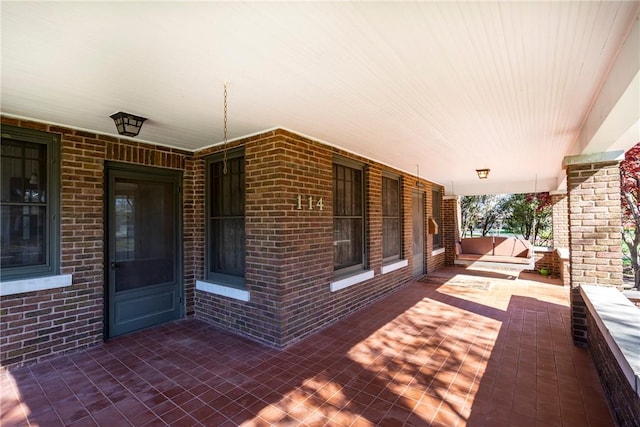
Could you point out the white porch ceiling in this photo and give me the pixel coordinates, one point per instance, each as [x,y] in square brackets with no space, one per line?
[448,86]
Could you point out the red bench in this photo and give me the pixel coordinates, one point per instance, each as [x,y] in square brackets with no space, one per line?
[509,250]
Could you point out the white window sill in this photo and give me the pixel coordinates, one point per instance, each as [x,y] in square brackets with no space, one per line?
[351,280]
[437,252]
[396,265]
[223,290]
[35,284]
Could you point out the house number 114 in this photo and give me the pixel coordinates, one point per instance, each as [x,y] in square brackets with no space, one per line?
[319,204]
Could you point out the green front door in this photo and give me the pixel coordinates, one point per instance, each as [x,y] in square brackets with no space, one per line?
[144,260]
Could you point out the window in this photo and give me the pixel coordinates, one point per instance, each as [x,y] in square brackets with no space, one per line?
[29,212]
[436,202]
[226,235]
[391,236]
[348,217]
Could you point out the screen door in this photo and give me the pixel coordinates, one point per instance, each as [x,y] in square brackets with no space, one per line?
[144,263]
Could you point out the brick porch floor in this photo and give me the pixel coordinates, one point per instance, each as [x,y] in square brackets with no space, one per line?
[446,351]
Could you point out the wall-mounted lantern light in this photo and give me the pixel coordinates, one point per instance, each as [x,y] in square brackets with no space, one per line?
[483,173]
[127,124]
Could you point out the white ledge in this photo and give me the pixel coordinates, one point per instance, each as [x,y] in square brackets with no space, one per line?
[35,284]
[563,253]
[223,290]
[437,252]
[388,268]
[582,159]
[619,322]
[351,280]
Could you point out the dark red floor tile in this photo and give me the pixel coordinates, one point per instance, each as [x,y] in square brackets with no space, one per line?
[186,421]
[203,412]
[47,418]
[70,410]
[215,419]
[84,422]
[142,417]
[110,417]
[97,404]
[163,408]
[173,415]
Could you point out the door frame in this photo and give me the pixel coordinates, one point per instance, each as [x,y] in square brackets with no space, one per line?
[423,200]
[148,173]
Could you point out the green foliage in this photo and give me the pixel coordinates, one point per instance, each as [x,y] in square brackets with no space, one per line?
[528,215]
[531,215]
[630,194]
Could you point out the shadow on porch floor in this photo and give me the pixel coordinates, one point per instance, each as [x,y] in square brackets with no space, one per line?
[461,347]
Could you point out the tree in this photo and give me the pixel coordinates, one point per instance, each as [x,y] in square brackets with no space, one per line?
[630,194]
[530,214]
[482,212]
[469,210]
[492,211]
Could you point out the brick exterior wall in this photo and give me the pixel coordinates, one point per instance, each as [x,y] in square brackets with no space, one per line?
[451,227]
[579,330]
[289,262]
[546,259]
[289,253]
[560,224]
[37,325]
[193,228]
[623,401]
[560,220]
[594,233]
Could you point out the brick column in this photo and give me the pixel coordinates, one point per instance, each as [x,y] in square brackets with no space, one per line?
[560,219]
[593,184]
[560,224]
[450,227]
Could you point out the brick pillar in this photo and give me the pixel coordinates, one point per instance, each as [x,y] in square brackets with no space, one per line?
[593,185]
[560,219]
[560,224]
[450,227]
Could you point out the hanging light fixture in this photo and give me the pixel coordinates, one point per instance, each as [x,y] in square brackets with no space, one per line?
[483,173]
[127,124]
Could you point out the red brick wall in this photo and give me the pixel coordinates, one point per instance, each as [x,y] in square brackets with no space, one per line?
[289,263]
[193,228]
[450,228]
[546,259]
[36,325]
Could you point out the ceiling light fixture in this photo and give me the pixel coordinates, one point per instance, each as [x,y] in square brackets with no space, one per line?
[483,173]
[127,124]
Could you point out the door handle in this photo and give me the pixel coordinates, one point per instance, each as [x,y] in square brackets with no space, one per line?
[114,265]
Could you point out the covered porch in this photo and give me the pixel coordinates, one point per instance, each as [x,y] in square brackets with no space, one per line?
[347,161]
